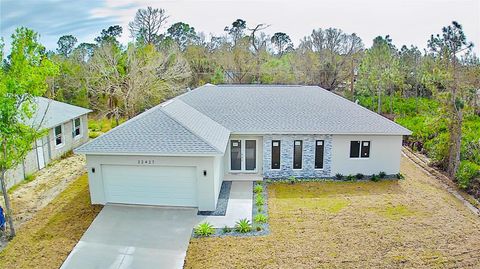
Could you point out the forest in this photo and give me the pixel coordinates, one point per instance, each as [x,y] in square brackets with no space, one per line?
[435,92]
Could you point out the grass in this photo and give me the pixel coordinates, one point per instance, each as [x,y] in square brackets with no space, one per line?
[410,223]
[47,239]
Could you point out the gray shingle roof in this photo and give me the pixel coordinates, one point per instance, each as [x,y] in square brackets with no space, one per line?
[287,109]
[152,132]
[50,113]
[200,121]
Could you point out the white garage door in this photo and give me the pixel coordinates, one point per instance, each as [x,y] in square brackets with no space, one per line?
[150,185]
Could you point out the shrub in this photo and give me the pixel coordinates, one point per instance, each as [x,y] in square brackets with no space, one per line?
[399,176]
[466,173]
[350,177]
[204,229]
[359,176]
[259,200]
[382,174]
[338,176]
[258,228]
[258,188]
[292,179]
[260,209]
[260,218]
[243,226]
[226,230]
[374,178]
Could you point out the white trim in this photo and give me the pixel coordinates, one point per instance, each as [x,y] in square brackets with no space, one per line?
[76,137]
[360,150]
[146,154]
[311,133]
[243,162]
[315,154]
[59,146]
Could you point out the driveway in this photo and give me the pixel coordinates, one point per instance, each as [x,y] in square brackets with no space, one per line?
[134,237]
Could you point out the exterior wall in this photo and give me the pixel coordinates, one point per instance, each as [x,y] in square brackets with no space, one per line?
[69,141]
[286,156]
[30,164]
[385,152]
[207,193]
[218,175]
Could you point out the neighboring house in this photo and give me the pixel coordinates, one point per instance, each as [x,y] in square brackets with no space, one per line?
[179,152]
[67,129]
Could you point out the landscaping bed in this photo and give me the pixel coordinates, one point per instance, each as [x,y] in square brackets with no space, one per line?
[410,223]
[48,237]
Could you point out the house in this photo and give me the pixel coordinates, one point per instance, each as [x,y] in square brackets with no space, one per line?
[179,152]
[67,128]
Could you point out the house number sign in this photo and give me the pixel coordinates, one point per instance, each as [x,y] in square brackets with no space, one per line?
[146,161]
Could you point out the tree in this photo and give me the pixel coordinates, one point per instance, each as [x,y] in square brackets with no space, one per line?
[66,44]
[237,30]
[147,24]
[183,34]
[281,42]
[444,79]
[22,78]
[379,70]
[110,35]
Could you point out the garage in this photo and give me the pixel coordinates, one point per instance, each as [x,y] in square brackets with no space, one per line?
[150,185]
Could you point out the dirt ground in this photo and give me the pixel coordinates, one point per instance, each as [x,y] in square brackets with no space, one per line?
[49,182]
[410,223]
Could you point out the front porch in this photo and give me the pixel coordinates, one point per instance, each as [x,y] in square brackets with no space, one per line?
[242,177]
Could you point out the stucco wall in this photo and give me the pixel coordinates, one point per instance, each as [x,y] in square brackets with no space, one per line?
[286,156]
[69,141]
[226,157]
[385,154]
[207,193]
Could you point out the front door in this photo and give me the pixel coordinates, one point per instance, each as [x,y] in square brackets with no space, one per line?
[243,155]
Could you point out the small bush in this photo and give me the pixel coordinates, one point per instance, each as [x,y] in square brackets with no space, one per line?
[382,174]
[359,176]
[350,177]
[243,226]
[399,176]
[204,229]
[258,228]
[226,230]
[466,173]
[292,179]
[259,200]
[260,218]
[258,188]
[338,176]
[260,209]
[374,178]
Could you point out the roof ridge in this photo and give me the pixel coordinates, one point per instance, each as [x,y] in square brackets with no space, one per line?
[364,108]
[191,130]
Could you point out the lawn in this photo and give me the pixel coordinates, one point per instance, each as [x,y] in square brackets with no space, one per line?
[410,223]
[46,240]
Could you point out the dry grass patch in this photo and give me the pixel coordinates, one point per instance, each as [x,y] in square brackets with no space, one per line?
[411,223]
[46,240]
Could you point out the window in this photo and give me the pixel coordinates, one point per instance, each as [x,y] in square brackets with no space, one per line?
[58,135]
[359,149]
[319,154]
[275,154]
[76,127]
[297,154]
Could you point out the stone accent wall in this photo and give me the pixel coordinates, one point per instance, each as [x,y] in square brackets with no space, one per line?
[286,157]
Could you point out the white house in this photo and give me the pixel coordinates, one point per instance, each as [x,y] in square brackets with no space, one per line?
[67,128]
[179,152]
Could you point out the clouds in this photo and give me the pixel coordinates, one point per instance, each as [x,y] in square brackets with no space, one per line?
[406,21]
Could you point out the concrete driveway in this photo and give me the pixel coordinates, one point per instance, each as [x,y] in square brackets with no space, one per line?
[134,237]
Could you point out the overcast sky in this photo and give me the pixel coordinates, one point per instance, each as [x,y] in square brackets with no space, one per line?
[406,21]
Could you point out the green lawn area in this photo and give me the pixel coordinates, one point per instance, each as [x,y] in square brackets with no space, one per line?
[46,240]
[410,223]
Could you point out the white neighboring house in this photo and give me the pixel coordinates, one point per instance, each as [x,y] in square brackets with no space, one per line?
[179,152]
[67,129]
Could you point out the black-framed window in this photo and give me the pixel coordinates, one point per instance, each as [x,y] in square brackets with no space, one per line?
[297,154]
[319,147]
[359,149]
[276,154]
[58,135]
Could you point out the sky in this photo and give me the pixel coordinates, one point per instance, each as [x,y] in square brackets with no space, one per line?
[406,21]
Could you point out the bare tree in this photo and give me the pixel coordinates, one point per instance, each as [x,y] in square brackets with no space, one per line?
[147,23]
